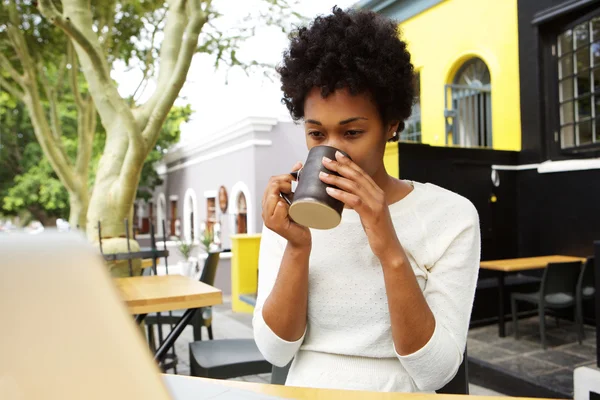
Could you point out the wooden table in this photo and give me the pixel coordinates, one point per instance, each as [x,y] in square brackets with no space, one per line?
[150,294]
[154,294]
[191,387]
[516,265]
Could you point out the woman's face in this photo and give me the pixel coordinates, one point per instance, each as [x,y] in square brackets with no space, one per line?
[349,123]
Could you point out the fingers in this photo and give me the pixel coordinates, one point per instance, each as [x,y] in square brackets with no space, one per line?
[269,206]
[280,183]
[277,185]
[351,200]
[297,167]
[281,211]
[350,170]
[342,183]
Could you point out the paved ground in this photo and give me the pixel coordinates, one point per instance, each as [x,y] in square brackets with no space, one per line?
[527,359]
[230,325]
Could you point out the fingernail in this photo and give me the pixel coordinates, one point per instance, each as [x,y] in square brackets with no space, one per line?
[327,160]
[339,155]
[330,190]
[323,174]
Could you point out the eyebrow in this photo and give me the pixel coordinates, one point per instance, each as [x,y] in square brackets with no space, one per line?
[344,122]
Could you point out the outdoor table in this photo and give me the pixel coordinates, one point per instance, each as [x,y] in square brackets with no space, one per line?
[153,294]
[502,267]
[187,387]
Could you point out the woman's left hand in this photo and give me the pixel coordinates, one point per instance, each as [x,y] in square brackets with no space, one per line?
[358,191]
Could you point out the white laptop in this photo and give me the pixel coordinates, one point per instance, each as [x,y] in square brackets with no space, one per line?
[65,334]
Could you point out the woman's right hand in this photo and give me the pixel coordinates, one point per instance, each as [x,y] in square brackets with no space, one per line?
[275,211]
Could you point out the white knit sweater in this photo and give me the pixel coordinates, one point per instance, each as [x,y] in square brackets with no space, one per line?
[348,340]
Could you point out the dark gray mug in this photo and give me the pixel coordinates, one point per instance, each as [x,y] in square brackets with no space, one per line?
[310,204]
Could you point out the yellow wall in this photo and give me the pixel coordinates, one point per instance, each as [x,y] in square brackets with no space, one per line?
[244,268]
[441,38]
[390,159]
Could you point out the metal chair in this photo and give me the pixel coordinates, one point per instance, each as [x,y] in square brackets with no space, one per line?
[457,385]
[202,318]
[557,291]
[586,290]
[226,358]
[460,383]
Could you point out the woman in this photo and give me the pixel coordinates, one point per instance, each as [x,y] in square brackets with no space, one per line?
[382,302]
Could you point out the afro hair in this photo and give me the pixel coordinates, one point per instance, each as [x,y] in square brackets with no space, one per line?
[354,49]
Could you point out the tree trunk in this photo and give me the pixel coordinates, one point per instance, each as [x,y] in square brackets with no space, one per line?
[111,203]
[78,211]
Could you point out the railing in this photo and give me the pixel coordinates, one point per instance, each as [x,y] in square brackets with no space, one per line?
[468,115]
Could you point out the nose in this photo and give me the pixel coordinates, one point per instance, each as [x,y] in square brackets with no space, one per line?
[337,144]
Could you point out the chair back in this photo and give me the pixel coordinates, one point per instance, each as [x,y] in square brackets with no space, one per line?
[279,374]
[210,268]
[587,277]
[560,278]
[458,385]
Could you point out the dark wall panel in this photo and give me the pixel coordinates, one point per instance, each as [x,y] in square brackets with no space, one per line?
[468,173]
[559,213]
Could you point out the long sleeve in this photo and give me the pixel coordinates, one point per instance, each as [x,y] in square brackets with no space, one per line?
[277,351]
[449,292]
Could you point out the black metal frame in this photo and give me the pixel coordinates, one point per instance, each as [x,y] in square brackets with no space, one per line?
[548,32]
[501,294]
[597,271]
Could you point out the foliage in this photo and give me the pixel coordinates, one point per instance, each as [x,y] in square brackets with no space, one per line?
[27,180]
[207,239]
[185,248]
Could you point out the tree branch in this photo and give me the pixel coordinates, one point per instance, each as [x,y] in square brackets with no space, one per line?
[12,89]
[196,21]
[189,42]
[60,75]
[52,149]
[86,126]
[149,58]
[4,63]
[52,101]
[73,75]
[169,52]
[49,11]
[20,46]
[114,111]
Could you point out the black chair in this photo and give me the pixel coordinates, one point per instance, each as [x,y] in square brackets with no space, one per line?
[226,358]
[457,385]
[586,290]
[557,292]
[202,317]
[460,383]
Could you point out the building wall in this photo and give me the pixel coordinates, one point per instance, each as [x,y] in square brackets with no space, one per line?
[443,37]
[208,176]
[289,146]
[243,156]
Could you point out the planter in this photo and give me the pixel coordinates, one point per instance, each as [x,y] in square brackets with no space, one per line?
[187,268]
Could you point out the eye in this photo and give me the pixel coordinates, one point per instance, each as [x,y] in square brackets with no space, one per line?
[315,134]
[353,133]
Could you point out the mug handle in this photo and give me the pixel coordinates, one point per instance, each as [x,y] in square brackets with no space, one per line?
[289,198]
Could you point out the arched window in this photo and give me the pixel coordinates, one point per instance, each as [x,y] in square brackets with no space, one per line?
[469,106]
[241,209]
[190,213]
[242,214]
[161,215]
